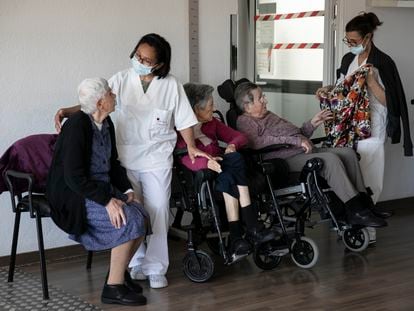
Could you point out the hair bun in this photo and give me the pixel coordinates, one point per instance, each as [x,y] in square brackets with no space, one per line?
[373,19]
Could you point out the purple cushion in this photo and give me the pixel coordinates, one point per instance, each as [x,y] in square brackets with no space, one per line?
[32,154]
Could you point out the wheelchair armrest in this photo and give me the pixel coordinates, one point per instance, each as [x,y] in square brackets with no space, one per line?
[318,140]
[267,149]
[180,152]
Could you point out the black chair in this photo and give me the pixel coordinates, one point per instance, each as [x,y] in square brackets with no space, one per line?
[27,192]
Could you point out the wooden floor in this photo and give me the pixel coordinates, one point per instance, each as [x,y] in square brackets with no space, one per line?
[380,278]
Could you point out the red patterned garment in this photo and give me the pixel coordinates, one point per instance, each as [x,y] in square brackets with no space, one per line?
[349,104]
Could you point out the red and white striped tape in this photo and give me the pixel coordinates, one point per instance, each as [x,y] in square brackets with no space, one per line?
[273,17]
[289,46]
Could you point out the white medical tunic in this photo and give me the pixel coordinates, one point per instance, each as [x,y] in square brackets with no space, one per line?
[145,121]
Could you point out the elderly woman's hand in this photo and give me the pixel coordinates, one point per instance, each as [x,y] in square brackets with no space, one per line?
[59,116]
[213,164]
[116,213]
[307,145]
[321,116]
[230,148]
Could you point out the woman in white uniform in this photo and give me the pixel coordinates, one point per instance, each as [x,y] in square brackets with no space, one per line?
[150,103]
[387,101]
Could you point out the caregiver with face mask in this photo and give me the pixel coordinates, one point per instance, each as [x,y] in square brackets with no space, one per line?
[150,103]
[386,100]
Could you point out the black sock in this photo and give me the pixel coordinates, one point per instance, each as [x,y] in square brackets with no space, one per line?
[249,215]
[235,230]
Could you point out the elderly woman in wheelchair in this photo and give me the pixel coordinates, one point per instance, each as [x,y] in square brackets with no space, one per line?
[229,165]
[341,168]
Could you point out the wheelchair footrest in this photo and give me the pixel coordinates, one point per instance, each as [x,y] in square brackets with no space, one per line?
[290,190]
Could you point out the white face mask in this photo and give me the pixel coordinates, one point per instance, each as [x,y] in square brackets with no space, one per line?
[357,49]
[139,68]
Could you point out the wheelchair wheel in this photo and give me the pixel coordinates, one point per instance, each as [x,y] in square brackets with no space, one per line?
[305,254]
[198,266]
[356,240]
[262,256]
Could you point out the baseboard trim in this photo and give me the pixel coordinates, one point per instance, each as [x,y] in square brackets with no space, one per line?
[52,254]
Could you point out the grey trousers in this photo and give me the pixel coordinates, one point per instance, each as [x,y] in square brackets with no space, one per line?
[341,170]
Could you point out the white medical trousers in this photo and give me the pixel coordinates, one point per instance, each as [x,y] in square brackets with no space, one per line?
[153,189]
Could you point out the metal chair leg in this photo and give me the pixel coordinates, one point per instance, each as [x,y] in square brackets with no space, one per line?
[42,257]
[12,264]
[89,260]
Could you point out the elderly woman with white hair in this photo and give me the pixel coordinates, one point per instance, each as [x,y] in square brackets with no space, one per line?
[89,192]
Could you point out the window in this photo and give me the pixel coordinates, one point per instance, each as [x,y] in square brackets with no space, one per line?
[289,44]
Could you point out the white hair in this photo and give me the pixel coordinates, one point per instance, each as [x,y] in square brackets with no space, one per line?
[90,91]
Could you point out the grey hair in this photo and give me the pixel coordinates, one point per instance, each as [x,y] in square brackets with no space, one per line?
[243,94]
[198,94]
[90,91]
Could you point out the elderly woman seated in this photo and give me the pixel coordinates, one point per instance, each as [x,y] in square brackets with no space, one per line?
[341,168]
[89,192]
[231,179]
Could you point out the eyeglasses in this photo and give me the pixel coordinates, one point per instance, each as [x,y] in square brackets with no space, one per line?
[352,42]
[145,61]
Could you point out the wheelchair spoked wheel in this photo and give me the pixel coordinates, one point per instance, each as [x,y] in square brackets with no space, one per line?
[356,239]
[263,257]
[304,253]
[198,266]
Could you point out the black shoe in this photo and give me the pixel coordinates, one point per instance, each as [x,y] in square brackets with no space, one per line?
[381,214]
[129,282]
[260,235]
[240,247]
[367,200]
[132,284]
[366,218]
[120,294]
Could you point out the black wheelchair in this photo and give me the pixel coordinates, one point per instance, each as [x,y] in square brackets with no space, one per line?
[193,192]
[295,199]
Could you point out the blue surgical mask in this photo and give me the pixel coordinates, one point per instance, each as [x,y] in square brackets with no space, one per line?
[357,49]
[139,68]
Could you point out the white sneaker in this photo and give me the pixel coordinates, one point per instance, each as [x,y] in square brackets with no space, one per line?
[137,274]
[372,233]
[157,281]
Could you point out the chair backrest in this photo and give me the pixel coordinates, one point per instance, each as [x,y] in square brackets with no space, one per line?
[32,154]
[226,91]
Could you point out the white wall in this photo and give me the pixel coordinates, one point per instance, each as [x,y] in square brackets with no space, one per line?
[214,28]
[48,46]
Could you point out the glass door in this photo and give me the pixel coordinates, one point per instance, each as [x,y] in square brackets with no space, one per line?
[291,53]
